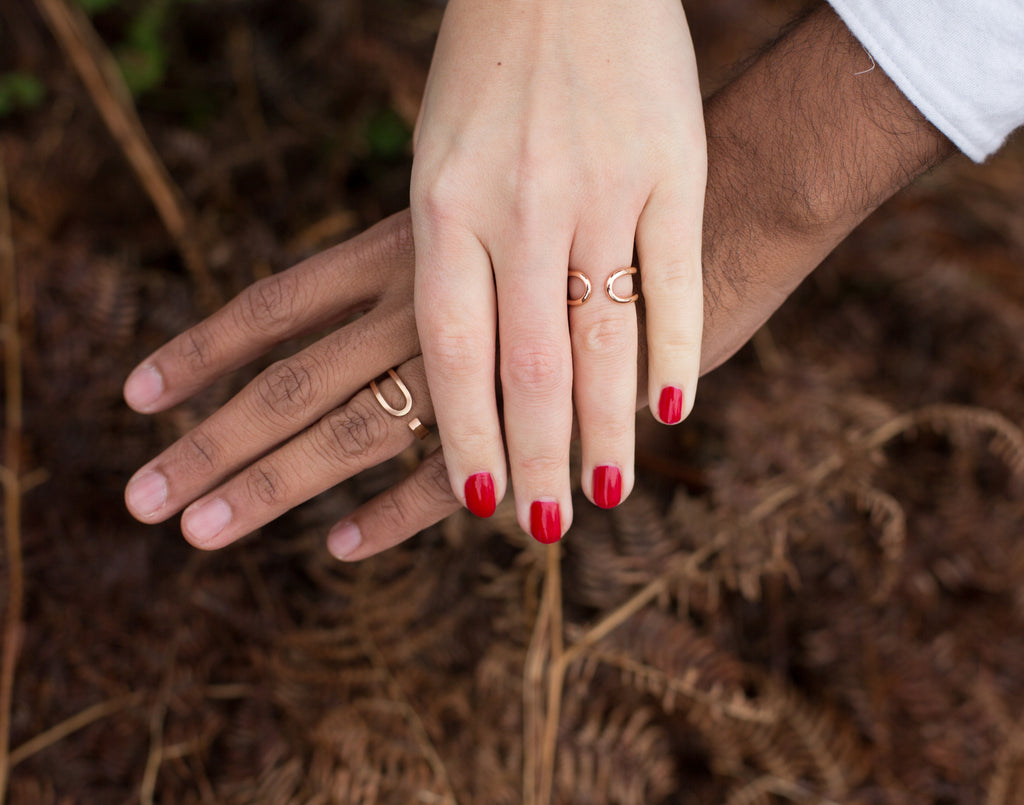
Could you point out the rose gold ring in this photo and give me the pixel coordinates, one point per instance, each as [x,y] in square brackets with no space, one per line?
[405,409]
[609,286]
[587,288]
[420,430]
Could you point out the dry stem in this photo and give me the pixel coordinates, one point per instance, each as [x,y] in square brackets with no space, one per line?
[11,479]
[102,78]
[553,708]
[533,696]
[69,726]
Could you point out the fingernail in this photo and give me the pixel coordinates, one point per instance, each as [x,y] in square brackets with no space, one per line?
[607,486]
[670,405]
[480,494]
[343,539]
[146,494]
[545,521]
[204,522]
[143,387]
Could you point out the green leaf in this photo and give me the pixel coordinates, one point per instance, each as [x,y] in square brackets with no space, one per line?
[18,91]
[143,68]
[93,7]
[387,134]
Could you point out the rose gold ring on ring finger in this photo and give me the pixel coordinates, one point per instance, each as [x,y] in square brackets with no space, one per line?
[609,286]
[418,428]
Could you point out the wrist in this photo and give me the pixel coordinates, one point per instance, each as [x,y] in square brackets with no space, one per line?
[802,146]
[827,135]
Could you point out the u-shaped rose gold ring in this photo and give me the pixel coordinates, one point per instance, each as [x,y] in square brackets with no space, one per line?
[405,409]
[587,288]
[418,428]
[609,286]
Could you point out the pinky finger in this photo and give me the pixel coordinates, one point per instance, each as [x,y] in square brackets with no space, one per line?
[415,503]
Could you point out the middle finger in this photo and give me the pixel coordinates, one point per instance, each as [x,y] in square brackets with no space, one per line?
[536,381]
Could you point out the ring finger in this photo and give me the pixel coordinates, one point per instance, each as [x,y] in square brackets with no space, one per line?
[282,400]
[359,434]
[604,347]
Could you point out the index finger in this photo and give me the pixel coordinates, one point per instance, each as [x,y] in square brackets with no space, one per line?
[318,292]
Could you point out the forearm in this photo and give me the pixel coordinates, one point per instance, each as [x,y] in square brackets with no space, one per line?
[802,146]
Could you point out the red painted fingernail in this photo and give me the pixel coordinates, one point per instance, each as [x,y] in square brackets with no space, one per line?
[545,521]
[480,494]
[607,486]
[670,406]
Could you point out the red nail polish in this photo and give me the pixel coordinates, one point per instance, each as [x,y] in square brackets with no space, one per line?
[480,494]
[545,521]
[670,406]
[607,486]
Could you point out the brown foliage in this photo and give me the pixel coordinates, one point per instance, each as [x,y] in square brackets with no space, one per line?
[813,595]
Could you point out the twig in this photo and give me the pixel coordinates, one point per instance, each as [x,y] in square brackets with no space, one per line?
[155,758]
[533,698]
[58,732]
[553,589]
[553,707]
[11,478]
[240,57]
[102,78]
[157,720]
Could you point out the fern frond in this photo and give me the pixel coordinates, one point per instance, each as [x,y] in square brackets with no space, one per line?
[719,699]
[837,756]
[612,753]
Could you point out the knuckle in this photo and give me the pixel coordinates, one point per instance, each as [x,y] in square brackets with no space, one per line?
[611,427]
[194,348]
[683,345]
[351,432]
[439,197]
[264,483]
[673,279]
[270,302]
[679,342]
[604,336]
[455,354]
[392,514]
[413,506]
[543,466]
[536,367]
[287,389]
[199,453]
[437,484]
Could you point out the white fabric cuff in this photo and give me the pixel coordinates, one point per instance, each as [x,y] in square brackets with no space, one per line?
[961,64]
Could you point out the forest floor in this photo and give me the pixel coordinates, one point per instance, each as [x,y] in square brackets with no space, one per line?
[815,594]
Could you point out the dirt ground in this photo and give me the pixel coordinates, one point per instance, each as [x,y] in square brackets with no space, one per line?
[815,589]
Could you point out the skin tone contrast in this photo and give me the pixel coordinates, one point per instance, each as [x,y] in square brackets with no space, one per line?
[306,423]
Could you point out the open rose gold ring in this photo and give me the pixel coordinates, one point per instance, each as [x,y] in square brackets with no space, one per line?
[418,428]
[609,286]
[587,287]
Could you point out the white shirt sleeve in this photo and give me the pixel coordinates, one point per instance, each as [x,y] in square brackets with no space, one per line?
[960,63]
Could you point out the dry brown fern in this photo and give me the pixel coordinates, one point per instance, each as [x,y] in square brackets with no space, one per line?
[667,658]
[612,752]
